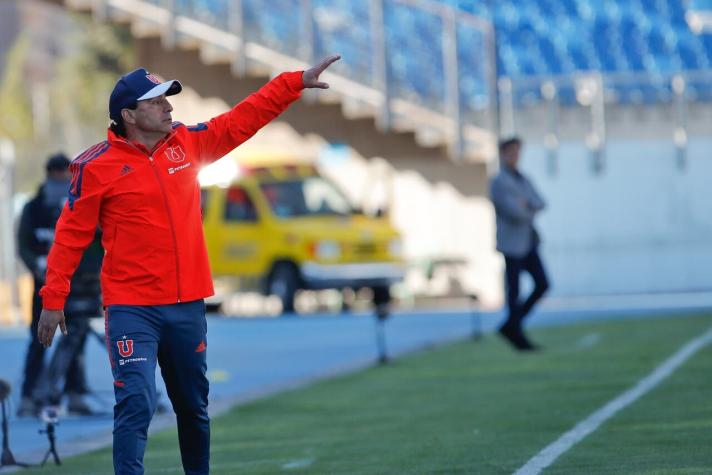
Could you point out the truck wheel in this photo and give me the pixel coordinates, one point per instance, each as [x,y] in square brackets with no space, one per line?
[283,283]
[213,307]
[381,295]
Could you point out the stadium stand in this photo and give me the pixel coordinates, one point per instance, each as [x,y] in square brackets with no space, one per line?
[632,51]
[535,38]
[639,38]
[414,38]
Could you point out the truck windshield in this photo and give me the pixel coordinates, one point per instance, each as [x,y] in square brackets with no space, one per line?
[305,197]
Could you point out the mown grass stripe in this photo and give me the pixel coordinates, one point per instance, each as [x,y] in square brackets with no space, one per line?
[561,445]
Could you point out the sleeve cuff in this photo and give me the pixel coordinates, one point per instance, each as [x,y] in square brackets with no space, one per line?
[51,301]
[294,80]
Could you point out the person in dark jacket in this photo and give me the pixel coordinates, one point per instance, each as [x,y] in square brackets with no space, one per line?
[516,203]
[43,386]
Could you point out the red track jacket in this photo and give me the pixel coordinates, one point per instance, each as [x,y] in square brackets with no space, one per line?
[147,204]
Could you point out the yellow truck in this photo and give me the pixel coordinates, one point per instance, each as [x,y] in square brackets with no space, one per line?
[282,226]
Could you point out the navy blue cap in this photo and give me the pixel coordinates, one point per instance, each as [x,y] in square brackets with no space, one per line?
[137,86]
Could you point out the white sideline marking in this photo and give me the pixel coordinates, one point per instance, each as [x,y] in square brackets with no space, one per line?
[554,450]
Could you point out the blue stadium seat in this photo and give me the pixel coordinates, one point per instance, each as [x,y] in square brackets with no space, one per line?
[609,35]
[534,38]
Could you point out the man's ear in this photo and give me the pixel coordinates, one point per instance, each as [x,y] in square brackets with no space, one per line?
[128,116]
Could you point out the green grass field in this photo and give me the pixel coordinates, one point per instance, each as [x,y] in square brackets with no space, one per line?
[474,407]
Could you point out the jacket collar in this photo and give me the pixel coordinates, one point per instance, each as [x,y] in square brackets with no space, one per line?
[117,140]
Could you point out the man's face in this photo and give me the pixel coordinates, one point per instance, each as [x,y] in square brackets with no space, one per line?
[510,155]
[152,115]
[60,175]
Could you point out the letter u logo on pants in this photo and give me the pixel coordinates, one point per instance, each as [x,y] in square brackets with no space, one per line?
[125,347]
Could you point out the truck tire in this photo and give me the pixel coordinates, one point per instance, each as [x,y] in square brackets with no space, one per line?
[283,282]
[213,307]
[381,295]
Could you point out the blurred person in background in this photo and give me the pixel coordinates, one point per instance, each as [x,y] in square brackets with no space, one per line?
[41,387]
[141,186]
[516,203]
[66,373]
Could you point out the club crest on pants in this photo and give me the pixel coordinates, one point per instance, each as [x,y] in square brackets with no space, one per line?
[125,348]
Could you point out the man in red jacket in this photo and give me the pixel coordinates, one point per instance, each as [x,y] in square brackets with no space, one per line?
[140,186]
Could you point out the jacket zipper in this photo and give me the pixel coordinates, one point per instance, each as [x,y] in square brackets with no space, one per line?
[166,204]
[170,222]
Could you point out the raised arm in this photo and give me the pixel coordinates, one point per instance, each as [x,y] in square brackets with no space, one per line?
[223,133]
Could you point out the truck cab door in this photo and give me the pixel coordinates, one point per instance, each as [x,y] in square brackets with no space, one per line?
[238,242]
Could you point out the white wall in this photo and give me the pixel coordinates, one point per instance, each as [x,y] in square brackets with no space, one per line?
[642,225]
[437,223]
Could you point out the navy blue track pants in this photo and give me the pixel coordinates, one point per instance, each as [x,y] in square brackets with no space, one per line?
[175,337]
[532,264]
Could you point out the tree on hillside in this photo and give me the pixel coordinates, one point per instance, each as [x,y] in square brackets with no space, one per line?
[86,58]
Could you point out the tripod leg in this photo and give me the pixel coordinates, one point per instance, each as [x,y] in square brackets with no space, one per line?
[475,319]
[53,444]
[381,341]
[44,460]
[5,431]
[56,457]
[7,458]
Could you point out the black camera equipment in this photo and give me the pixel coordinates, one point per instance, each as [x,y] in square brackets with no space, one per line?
[50,417]
[6,459]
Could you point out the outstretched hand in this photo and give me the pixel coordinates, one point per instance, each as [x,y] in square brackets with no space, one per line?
[310,77]
[49,319]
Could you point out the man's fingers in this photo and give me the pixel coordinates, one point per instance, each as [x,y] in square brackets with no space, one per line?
[326,62]
[47,326]
[42,335]
[48,336]
[310,77]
